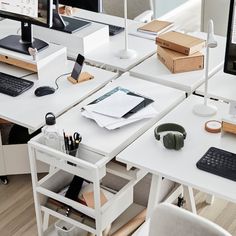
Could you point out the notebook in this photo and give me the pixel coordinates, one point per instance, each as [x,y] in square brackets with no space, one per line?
[155,27]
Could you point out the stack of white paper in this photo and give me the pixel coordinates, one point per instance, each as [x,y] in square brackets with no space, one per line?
[109,112]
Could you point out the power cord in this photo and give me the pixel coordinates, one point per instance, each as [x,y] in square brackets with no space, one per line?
[59,78]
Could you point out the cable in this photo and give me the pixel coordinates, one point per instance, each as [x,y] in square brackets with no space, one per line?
[59,78]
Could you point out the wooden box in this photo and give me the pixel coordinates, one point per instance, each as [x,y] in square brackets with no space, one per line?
[180,42]
[177,62]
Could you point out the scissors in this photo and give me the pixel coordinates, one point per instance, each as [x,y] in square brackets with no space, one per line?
[77,137]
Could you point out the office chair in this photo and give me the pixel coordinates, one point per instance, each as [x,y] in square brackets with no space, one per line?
[140,10]
[171,220]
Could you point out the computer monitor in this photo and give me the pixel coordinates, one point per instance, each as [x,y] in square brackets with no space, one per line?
[90,5]
[230,53]
[38,12]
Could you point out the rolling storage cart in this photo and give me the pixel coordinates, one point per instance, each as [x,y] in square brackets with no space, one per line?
[88,165]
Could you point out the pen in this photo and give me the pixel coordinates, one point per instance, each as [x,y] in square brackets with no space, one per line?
[65,143]
[71,143]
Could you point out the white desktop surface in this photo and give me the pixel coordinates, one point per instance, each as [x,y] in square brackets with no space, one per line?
[180,166]
[110,143]
[153,70]
[108,53]
[221,86]
[29,111]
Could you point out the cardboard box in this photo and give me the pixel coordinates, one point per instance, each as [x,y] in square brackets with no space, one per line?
[177,62]
[180,42]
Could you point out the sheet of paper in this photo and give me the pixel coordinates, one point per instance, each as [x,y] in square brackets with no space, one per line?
[113,123]
[147,112]
[116,105]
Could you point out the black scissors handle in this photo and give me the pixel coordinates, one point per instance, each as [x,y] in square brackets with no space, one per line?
[77,136]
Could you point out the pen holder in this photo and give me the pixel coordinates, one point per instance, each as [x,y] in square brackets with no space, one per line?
[84,76]
[73,152]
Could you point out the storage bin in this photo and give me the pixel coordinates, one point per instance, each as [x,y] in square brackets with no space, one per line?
[64,228]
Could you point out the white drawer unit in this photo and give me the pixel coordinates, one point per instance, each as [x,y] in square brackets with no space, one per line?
[90,166]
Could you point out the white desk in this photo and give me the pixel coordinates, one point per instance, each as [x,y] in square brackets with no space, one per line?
[107,54]
[29,111]
[180,166]
[153,70]
[110,143]
[33,109]
[221,86]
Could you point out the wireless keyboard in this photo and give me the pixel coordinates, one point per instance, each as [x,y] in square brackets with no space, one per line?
[12,85]
[113,29]
[219,162]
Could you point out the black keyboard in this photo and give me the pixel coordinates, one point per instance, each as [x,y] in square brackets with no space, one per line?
[113,29]
[219,162]
[12,85]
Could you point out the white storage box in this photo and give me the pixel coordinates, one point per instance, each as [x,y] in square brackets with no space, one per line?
[64,228]
[82,41]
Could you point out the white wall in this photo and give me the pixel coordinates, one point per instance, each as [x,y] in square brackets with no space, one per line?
[164,6]
[218,11]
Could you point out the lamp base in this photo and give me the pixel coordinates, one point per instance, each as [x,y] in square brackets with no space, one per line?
[204,110]
[127,54]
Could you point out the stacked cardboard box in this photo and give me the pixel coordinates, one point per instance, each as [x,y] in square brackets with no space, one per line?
[180,52]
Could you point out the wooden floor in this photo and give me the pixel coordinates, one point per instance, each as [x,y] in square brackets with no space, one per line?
[17,215]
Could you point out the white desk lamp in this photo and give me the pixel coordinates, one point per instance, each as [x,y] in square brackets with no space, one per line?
[126,53]
[205,109]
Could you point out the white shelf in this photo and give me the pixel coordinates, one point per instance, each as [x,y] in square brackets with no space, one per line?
[89,166]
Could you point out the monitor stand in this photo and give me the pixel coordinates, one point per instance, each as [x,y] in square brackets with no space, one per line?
[22,43]
[67,24]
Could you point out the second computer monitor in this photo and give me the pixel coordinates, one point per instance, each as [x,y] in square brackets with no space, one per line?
[230,55]
[90,5]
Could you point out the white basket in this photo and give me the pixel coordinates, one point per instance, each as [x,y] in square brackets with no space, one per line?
[64,228]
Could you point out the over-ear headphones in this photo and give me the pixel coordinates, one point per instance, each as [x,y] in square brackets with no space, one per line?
[171,140]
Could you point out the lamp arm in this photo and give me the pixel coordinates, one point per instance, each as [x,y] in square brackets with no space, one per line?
[206,76]
[126,27]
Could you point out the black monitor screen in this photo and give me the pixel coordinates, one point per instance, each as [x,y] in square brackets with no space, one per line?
[230,54]
[31,11]
[90,5]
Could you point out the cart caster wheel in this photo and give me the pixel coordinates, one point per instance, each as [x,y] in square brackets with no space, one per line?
[4,180]
[181,202]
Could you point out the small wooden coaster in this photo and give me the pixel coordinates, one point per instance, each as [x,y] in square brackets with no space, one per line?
[84,76]
[213,126]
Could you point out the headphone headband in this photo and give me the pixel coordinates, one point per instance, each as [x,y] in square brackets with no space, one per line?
[169,127]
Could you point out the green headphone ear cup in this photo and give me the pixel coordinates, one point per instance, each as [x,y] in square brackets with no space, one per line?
[169,141]
[179,141]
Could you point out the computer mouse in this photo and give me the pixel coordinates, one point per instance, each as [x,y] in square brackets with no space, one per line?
[44,90]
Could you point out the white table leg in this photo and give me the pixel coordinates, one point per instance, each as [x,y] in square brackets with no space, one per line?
[154,194]
[45,221]
[190,202]
[210,199]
